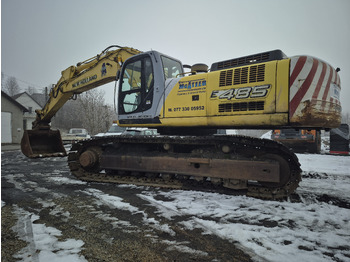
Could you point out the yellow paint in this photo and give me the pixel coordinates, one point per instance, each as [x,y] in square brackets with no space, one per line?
[196,100]
[188,98]
[87,75]
[282,86]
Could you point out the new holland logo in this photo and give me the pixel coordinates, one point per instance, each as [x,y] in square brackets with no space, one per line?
[84,81]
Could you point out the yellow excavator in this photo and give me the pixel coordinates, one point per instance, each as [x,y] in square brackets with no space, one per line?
[262,91]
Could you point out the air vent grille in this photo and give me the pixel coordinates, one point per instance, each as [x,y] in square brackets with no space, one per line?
[244,61]
[226,78]
[242,106]
[248,60]
[257,73]
[240,75]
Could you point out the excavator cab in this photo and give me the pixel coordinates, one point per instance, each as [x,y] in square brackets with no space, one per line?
[143,86]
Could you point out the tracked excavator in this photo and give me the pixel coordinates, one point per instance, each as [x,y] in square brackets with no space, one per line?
[262,91]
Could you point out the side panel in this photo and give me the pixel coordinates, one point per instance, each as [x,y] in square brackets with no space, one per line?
[282,86]
[236,97]
[188,97]
[243,90]
[314,93]
[185,104]
[246,96]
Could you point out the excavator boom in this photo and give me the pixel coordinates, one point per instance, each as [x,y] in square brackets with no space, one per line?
[41,141]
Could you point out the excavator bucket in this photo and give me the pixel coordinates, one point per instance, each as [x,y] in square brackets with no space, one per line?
[42,143]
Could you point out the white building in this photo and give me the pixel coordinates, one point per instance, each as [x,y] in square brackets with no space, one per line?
[28,101]
[12,121]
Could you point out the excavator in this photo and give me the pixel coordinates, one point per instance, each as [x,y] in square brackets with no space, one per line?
[262,91]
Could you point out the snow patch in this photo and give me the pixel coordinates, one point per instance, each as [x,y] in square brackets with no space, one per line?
[180,246]
[152,222]
[267,135]
[117,202]
[55,210]
[328,164]
[43,244]
[111,201]
[66,180]
[275,231]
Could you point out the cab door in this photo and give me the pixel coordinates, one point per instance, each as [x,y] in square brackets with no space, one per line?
[142,91]
[136,87]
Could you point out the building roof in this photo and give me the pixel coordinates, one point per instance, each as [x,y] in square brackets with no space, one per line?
[37,98]
[41,99]
[12,100]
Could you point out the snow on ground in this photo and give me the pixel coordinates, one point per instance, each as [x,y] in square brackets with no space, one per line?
[306,230]
[43,244]
[267,135]
[325,174]
[117,202]
[329,164]
[271,230]
[275,231]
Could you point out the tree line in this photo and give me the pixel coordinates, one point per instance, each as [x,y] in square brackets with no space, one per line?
[89,110]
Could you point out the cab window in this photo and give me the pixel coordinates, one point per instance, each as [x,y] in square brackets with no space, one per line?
[171,67]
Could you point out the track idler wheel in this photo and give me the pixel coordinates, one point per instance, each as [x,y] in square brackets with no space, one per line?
[90,159]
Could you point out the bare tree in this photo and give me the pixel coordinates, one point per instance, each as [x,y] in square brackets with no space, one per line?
[346,118]
[95,115]
[31,90]
[67,117]
[11,86]
[2,81]
[89,111]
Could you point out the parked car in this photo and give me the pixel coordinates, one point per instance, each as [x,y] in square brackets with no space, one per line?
[75,134]
[140,132]
[114,130]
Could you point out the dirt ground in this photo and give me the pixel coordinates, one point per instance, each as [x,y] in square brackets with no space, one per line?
[109,234]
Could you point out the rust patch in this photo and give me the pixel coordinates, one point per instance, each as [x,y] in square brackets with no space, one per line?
[314,115]
[268,171]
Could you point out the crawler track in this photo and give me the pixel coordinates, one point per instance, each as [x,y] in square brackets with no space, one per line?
[238,149]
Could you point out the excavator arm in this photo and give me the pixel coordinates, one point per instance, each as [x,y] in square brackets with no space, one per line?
[41,141]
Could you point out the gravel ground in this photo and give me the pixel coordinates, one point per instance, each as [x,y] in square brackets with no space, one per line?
[35,187]
[10,243]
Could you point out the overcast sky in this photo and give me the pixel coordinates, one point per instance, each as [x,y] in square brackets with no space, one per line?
[40,38]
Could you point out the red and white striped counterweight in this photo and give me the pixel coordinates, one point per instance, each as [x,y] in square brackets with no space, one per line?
[314,93]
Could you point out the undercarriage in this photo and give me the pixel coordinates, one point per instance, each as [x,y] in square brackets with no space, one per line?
[254,167]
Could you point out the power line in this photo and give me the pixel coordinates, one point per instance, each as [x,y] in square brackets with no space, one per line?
[25,82]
